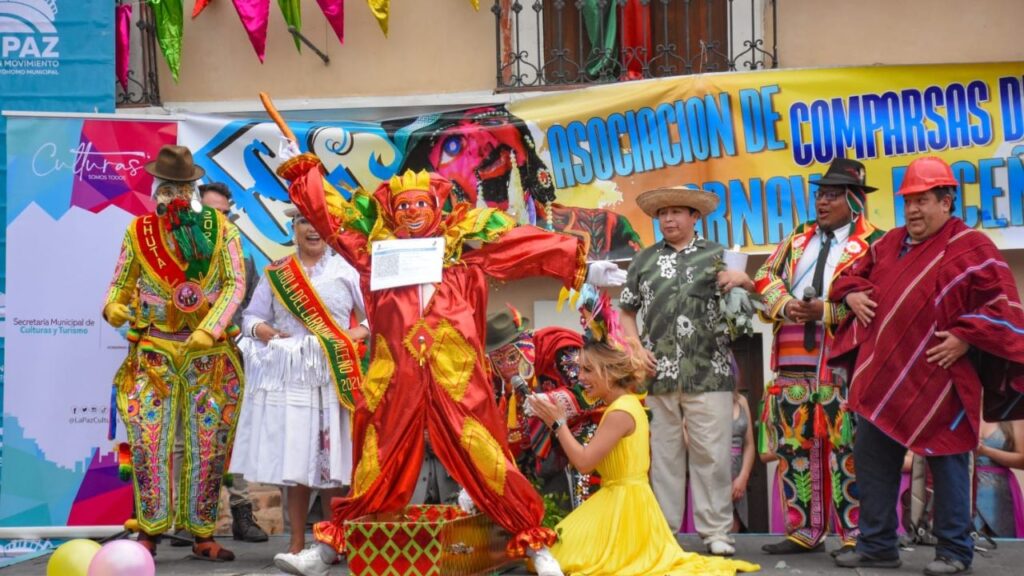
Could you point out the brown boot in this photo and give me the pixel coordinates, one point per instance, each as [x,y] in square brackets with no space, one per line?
[244,526]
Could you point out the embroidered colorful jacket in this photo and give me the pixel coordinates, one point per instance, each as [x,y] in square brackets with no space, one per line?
[552,356]
[772,280]
[148,272]
[160,388]
[955,281]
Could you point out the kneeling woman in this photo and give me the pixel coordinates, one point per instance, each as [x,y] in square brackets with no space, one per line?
[620,530]
[293,431]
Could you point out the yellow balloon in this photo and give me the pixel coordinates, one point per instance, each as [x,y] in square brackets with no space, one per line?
[72,558]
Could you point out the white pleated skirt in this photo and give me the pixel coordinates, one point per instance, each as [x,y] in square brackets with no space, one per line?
[292,430]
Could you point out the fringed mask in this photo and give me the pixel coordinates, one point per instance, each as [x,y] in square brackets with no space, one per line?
[515,358]
[181,214]
[509,344]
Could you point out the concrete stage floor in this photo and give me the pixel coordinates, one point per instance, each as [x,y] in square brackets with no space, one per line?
[257,559]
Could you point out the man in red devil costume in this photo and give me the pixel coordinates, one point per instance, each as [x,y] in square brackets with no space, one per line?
[428,368]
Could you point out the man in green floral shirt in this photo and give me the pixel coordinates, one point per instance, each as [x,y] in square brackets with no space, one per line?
[673,288]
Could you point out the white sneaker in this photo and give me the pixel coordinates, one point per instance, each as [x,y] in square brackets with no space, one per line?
[720,548]
[305,563]
[544,563]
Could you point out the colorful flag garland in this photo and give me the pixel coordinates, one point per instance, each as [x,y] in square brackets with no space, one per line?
[254,15]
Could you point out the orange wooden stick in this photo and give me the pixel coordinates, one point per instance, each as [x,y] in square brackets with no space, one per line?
[268,104]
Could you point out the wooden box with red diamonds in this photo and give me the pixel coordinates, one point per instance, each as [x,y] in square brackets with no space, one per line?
[424,540]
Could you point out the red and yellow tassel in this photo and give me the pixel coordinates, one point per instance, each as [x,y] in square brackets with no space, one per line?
[124,462]
[820,422]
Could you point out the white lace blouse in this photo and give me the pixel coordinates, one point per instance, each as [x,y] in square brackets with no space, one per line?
[297,359]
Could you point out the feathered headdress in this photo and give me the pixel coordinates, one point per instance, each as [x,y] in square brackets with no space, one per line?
[599,318]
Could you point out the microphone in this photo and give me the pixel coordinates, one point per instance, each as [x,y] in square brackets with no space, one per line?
[520,385]
[810,327]
[809,293]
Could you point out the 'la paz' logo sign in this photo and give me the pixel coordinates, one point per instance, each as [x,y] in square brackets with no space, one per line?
[28,37]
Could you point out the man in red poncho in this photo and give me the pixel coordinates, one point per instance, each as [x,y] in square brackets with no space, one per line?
[923,296]
[427,368]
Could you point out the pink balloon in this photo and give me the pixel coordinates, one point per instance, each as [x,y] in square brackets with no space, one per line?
[122,558]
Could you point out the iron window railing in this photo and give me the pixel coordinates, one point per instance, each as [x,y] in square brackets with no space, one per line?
[563,43]
[143,80]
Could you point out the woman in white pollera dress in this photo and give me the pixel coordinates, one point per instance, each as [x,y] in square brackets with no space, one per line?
[293,430]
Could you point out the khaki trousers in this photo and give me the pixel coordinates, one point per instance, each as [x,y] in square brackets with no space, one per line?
[707,418]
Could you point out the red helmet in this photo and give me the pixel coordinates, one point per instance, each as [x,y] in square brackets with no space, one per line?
[926,173]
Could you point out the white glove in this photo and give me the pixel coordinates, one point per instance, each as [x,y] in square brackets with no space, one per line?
[287,149]
[466,502]
[604,274]
[528,407]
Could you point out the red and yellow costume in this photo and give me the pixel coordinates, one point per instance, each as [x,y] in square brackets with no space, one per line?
[428,369]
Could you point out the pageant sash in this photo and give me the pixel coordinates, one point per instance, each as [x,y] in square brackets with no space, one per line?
[161,261]
[293,290]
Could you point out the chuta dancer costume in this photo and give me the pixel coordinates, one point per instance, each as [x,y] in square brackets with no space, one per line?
[178,281]
[428,368]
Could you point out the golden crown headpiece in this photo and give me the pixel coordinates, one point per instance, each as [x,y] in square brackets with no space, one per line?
[410,180]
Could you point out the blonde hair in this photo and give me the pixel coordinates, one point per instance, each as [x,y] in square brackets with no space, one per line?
[620,366]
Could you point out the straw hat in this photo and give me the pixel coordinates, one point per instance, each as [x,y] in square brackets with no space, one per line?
[689,196]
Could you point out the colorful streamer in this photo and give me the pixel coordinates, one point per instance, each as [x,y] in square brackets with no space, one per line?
[199,6]
[381,11]
[254,15]
[334,11]
[292,12]
[169,16]
[122,46]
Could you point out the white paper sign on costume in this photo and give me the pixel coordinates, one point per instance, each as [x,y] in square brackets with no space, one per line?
[406,262]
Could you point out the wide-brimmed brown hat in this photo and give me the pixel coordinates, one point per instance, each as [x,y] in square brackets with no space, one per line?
[502,329]
[689,196]
[174,163]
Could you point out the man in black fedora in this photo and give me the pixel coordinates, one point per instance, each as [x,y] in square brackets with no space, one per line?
[804,421]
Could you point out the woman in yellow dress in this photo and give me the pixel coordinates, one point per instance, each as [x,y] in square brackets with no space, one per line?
[620,530]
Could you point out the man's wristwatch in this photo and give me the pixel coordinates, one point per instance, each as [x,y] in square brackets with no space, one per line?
[557,424]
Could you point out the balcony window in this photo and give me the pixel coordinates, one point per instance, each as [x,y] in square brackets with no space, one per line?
[566,43]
